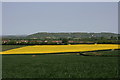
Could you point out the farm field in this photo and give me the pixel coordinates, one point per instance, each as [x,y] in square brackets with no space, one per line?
[8,47]
[38,49]
[60,66]
[104,53]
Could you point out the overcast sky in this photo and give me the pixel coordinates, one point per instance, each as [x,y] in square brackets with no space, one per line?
[32,17]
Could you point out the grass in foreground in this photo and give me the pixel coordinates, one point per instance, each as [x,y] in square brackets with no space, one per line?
[59,66]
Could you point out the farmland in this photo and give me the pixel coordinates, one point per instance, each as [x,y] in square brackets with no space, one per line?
[60,40]
[37,49]
[60,66]
[8,47]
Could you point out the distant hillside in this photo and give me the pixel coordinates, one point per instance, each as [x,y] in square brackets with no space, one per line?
[14,36]
[71,35]
[45,38]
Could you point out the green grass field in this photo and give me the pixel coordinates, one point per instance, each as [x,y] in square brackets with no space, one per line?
[59,66]
[106,53]
[8,47]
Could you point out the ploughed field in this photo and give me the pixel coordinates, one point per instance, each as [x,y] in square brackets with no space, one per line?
[38,49]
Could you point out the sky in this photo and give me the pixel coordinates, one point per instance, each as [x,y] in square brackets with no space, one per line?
[0,19]
[24,18]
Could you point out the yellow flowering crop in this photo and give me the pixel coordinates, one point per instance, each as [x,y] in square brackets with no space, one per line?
[60,48]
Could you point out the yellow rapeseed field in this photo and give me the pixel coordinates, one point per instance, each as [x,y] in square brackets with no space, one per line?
[60,48]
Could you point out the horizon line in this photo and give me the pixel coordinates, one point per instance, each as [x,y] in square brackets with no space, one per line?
[56,32]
